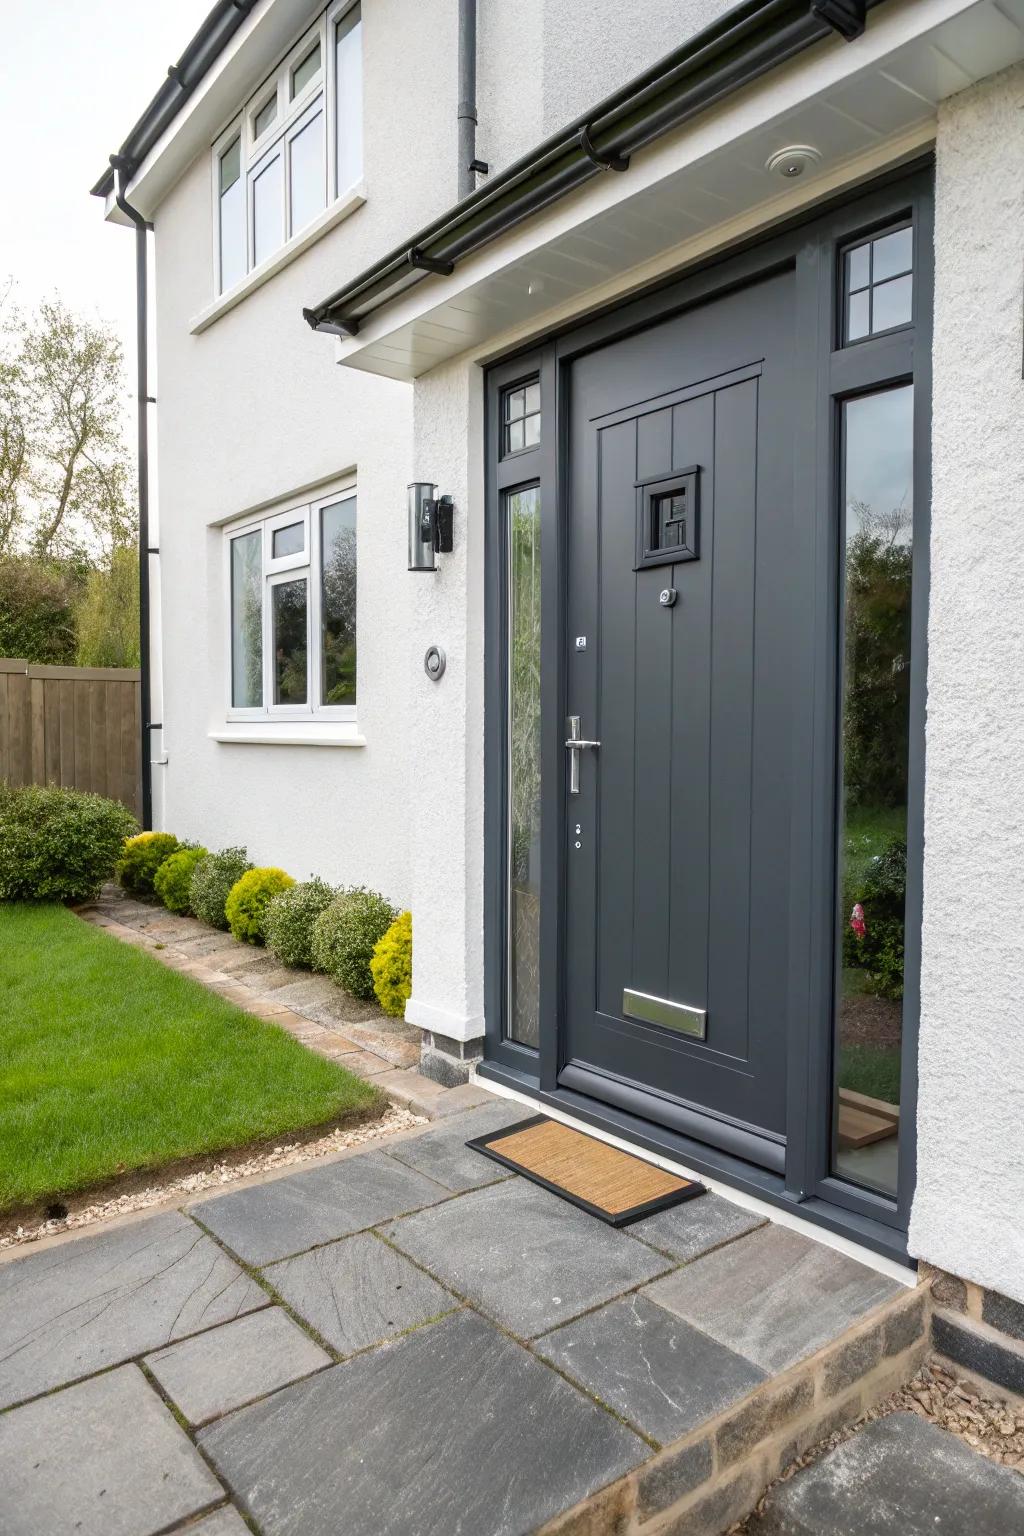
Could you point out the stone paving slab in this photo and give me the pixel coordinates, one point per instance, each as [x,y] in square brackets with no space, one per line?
[442,1154]
[775,1296]
[665,1377]
[272,1221]
[103,1458]
[95,1301]
[223,1522]
[209,1375]
[453,1428]
[899,1476]
[524,1256]
[358,1292]
[688,1231]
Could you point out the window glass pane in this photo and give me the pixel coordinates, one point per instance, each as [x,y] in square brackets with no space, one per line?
[531,431]
[892,304]
[349,87]
[531,398]
[858,267]
[514,436]
[247,621]
[232,218]
[304,71]
[288,541]
[878,497]
[288,617]
[858,320]
[265,116]
[230,165]
[523,525]
[892,255]
[268,211]
[338,602]
[307,165]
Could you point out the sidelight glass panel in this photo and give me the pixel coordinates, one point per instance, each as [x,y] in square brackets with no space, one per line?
[349,98]
[877,569]
[288,621]
[232,217]
[338,602]
[247,621]
[522,511]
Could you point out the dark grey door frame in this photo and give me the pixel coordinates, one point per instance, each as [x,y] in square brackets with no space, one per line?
[827,375]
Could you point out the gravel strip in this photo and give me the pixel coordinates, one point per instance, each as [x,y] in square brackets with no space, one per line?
[286,1155]
[993,1429]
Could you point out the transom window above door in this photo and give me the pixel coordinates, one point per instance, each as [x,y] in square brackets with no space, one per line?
[296,147]
[291,604]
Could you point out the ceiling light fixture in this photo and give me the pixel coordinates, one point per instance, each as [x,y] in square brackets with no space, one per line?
[793,160]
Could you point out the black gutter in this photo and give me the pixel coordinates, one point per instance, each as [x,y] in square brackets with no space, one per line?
[195,63]
[122,170]
[742,45]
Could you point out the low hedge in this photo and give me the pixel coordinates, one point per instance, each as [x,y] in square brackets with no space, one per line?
[211,884]
[140,859]
[58,844]
[344,936]
[173,880]
[290,915]
[391,966]
[248,899]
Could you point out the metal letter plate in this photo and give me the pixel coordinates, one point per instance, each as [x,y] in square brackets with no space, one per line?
[659,1010]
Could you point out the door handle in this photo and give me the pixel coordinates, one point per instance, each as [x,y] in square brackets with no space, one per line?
[575,745]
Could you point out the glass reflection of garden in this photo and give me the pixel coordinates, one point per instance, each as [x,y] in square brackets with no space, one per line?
[876,703]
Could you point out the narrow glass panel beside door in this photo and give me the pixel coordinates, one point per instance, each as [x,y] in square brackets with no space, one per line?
[288,615]
[877,568]
[522,510]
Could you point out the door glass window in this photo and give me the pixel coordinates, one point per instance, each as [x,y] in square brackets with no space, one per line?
[877,566]
[522,510]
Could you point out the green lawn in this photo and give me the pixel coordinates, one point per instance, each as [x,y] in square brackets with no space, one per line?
[110,1062]
[872,1070]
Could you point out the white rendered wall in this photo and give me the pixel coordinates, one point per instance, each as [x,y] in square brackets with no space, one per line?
[968,1215]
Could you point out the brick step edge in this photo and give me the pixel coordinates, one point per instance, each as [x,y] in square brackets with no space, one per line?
[994,1358]
[712,1477]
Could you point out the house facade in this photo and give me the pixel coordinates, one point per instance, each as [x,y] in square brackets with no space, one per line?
[691,729]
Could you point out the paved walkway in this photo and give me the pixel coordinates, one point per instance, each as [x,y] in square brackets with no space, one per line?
[408,1340]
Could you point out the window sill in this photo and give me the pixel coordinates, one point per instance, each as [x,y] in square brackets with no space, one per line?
[293,734]
[347,204]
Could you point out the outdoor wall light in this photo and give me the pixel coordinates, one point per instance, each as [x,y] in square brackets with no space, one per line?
[431,526]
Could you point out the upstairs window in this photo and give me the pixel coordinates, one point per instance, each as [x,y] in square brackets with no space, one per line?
[292,612]
[297,147]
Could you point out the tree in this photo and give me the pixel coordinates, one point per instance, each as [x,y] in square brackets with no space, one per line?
[37,610]
[107,614]
[65,473]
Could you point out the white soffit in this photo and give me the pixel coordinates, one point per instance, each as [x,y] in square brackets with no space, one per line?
[863,105]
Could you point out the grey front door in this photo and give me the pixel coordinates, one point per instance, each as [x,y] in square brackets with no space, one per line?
[684,614]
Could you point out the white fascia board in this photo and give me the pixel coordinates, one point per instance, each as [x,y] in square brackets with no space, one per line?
[899,31]
[254,50]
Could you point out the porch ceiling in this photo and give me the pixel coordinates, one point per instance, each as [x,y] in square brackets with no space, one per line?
[862,106]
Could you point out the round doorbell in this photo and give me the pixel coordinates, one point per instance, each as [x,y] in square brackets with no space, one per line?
[434,663]
[667,596]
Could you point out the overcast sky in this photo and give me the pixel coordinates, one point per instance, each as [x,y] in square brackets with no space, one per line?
[74,76]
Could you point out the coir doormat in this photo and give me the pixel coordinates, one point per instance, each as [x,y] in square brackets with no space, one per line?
[609,1183]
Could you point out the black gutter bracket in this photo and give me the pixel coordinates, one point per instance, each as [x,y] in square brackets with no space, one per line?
[331,327]
[423,263]
[609,161]
[847,17]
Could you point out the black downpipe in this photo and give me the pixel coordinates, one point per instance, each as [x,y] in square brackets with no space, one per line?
[142,373]
[467,97]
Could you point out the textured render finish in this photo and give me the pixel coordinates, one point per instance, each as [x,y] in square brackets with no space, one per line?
[970,1183]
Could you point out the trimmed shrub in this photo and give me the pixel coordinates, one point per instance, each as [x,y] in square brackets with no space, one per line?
[344,936]
[391,966]
[248,899]
[58,844]
[211,884]
[288,922]
[874,940]
[173,879]
[140,859]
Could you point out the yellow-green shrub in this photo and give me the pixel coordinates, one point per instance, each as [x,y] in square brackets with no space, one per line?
[173,879]
[248,899]
[140,859]
[391,966]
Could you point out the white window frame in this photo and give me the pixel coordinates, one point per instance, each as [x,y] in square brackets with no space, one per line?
[255,154]
[306,565]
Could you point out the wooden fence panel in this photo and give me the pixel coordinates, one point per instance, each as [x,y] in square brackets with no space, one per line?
[75,726]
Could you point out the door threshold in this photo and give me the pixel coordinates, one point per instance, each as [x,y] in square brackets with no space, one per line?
[882,1247]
